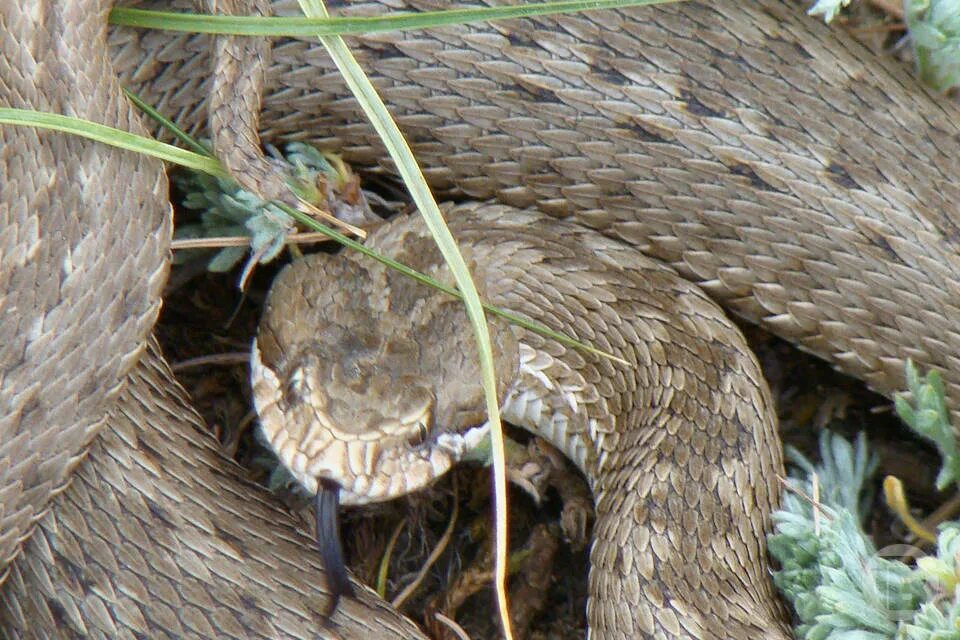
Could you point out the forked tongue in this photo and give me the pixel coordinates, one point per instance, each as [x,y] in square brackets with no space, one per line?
[328,541]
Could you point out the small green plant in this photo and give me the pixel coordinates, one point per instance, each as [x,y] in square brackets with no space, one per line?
[934,27]
[229,211]
[831,572]
[839,585]
[928,416]
[938,617]
[935,36]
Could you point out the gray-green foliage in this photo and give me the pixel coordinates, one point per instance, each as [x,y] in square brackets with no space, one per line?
[228,210]
[827,8]
[939,618]
[928,416]
[850,592]
[935,36]
[934,621]
[841,588]
[934,27]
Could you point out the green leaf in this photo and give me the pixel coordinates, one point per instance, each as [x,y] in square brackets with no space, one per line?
[928,417]
[904,410]
[935,36]
[913,377]
[113,137]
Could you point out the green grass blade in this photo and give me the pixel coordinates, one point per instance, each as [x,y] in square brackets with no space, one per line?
[326,26]
[168,124]
[114,137]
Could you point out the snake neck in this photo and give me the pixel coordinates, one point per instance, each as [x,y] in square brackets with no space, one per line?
[677,475]
[547,398]
[678,440]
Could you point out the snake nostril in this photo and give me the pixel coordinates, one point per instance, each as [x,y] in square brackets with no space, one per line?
[353,371]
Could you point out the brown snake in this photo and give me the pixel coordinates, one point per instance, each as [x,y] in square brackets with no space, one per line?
[799,180]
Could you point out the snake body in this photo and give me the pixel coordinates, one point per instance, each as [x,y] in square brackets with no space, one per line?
[367,378]
[803,183]
[157,535]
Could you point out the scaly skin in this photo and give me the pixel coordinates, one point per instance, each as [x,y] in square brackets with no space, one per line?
[805,184]
[680,446]
[157,535]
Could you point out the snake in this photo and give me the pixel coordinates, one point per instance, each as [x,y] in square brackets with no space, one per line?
[800,181]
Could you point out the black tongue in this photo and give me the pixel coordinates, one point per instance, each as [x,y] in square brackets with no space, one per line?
[328,541]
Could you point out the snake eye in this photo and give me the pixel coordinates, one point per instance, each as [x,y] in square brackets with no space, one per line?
[419,437]
[293,390]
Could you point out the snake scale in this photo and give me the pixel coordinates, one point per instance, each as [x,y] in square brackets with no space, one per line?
[803,183]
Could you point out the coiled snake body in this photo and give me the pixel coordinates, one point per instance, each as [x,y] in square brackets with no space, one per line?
[801,182]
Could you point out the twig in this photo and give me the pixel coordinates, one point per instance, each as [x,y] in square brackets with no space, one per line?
[877,28]
[946,511]
[214,359]
[316,212]
[815,486]
[232,442]
[242,241]
[890,7]
[814,501]
[408,590]
[453,626]
[385,560]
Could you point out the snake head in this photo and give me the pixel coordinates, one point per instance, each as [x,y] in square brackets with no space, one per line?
[366,378]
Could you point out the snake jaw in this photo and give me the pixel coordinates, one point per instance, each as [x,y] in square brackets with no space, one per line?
[404,454]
